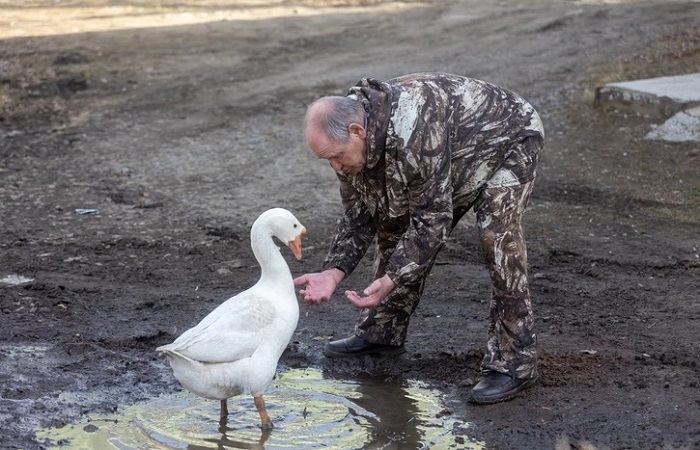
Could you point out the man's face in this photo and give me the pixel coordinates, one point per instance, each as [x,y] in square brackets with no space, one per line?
[345,158]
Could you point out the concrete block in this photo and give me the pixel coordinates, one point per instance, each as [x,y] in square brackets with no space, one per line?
[656,97]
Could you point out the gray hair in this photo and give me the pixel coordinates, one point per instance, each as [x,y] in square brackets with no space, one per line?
[337,113]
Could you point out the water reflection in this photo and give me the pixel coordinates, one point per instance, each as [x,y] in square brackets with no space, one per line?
[311,410]
[225,442]
[396,419]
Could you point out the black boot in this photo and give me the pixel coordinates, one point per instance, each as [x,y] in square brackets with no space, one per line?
[357,346]
[499,387]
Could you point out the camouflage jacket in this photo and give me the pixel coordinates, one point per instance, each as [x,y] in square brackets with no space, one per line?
[433,141]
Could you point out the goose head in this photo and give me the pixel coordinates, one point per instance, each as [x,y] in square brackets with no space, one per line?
[282,224]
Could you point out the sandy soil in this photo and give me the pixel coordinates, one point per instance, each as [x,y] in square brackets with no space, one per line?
[180,123]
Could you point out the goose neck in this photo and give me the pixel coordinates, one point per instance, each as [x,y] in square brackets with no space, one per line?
[268,255]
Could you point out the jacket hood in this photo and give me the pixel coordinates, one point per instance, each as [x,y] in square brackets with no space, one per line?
[376,97]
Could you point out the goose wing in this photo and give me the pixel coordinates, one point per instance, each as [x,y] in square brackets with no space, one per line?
[234,330]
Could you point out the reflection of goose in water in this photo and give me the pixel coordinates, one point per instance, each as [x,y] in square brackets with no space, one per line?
[235,349]
[225,442]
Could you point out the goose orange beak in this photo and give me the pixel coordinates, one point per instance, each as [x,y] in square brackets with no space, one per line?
[295,245]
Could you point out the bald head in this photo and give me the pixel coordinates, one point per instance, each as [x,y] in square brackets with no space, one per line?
[333,116]
[334,128]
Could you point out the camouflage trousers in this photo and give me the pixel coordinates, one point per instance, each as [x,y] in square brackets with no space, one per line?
[512,342]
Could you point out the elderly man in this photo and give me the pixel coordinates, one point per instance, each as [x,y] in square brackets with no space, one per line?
[413,154]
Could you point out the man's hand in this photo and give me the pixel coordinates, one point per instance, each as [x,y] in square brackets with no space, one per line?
[374,294]
[318,287]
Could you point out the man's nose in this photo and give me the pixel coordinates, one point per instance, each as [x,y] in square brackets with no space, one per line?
[335,165]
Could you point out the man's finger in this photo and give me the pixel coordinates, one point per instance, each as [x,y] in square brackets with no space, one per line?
[356,301]
[375,287]
[300,280]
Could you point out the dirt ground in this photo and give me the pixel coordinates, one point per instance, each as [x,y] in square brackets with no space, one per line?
[179,121]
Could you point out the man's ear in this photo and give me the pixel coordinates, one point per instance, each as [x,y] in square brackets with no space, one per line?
[357,130]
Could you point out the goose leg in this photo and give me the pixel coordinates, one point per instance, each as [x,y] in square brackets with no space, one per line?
[264,417]
[224,411]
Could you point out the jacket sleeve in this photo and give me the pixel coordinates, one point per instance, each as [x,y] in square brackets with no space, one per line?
[354,232]
[427,172]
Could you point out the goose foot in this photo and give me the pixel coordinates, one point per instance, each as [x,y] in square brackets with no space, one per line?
[266,423]
[264,436]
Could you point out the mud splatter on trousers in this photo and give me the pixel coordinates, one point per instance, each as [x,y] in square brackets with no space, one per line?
[512,342]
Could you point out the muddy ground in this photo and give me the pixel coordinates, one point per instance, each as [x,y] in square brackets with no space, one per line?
[180,124]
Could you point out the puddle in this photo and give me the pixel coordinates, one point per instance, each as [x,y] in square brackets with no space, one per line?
[310,409]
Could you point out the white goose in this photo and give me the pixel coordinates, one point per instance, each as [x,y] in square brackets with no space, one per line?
[236,347]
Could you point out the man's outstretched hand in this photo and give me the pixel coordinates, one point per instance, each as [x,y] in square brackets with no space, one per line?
[319,287]
[374,294]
